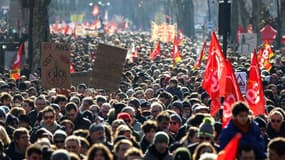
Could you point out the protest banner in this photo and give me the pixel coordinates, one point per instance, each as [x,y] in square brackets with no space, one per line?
[108,67]
[55,65]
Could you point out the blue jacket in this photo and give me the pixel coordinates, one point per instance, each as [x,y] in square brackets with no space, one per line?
[252,137]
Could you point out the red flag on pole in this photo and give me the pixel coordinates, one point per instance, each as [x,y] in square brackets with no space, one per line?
[264,56]
[199,59]
[156,52]
[230,151]
[254,91]
[231,92]
[176,57]
[16,65]
[66,29]
[74,31]
[180,36]
[214,70]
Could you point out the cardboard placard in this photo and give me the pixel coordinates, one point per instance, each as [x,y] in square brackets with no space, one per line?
[55,65]
[108,67]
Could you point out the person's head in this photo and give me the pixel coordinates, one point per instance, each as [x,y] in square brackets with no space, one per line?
[59,137]
[86,103]
[116,123]
[71,111]
[72,144]
[245,152]
[34,152]
[40,102]
[60,154]
[202,148]
[4,136]
[182,153]
[191,136]
[21,137]
[149,128]
[99,152]
[5,99]
[126,117]
[175,122]
[104,110]
[275,149]
[161,142]
[240,112]
[206,130]
[48,114]
[177,106]
[28,105]
[100,100]
[186,111]
[97,133]
[124,130]
[276,119]
[121,147]
[68,125]
[163,120]
[155,109]
[61,100]
[133,153]
[165,98]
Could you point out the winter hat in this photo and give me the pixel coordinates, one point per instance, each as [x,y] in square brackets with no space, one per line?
[60,154]
[182,153]
[206,128]
[161,137]
[124,116]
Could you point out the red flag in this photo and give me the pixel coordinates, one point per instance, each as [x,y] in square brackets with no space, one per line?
[254,91]
[180,36]
[264,56]
[156,52]
[176,57]
[66,29]
[214,69]
[95,10]
[199,59]
[16,65]
[231,92]
[71,68]
[230,151]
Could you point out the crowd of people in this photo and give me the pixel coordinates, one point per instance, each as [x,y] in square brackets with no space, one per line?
[160,111]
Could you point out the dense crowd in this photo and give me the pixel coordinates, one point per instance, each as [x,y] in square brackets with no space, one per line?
[160,111]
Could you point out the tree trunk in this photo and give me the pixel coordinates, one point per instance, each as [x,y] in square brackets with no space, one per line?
[40,31]
[185,16]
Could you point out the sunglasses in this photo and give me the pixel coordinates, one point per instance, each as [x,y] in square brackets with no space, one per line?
[275,120]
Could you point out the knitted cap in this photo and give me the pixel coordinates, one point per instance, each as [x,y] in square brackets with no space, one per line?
[182,153]
[161,137]
[176,117]
[206,128]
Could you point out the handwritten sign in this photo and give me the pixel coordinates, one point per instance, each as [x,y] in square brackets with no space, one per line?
[108,67]
[55,65]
